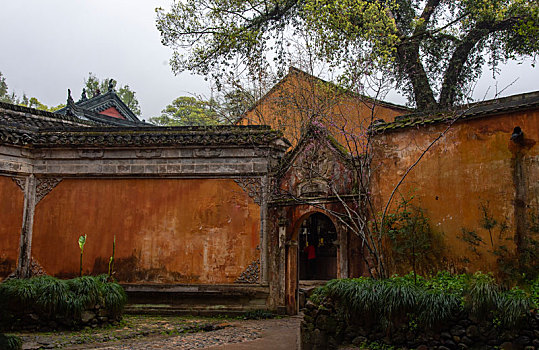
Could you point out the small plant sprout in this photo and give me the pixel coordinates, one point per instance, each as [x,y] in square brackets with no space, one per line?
[111,261]
[82,242]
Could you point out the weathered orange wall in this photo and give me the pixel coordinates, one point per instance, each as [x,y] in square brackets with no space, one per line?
[11,209]
[472,165]
[300,98]
[183,231]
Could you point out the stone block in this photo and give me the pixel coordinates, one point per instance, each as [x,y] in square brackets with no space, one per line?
[178,169]
[123,169]
[472,331]
[507,346]
[137,169]
[108,169]
[260,167]
[87,316]
[150,169]
[201,168]
[458,330]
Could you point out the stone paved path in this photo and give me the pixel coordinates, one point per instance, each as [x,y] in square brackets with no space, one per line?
[278,334]
[283,335]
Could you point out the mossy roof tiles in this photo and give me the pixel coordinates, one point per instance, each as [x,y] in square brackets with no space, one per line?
[31,127]
[472,111]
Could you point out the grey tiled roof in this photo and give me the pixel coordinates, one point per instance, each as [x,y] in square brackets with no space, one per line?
[20,116]
[476,110]
[31,127]
[92,107]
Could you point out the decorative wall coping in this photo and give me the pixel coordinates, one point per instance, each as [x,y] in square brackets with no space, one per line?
[141,137]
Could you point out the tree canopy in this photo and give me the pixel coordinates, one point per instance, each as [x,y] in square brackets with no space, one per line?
[188,111]
[4,91]
[95,86]
[432,49]
[32,102]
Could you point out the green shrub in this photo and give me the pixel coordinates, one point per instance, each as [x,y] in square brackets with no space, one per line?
[257,315]
[534,293]
[51,297]
[10,342]
[428,301]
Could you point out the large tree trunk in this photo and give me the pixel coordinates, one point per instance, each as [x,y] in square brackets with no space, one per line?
[452,83]
[410,64]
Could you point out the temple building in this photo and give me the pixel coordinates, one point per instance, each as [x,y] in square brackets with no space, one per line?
[107,109]
[249,216]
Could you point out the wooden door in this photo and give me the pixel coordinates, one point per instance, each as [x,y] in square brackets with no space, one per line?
[292,278]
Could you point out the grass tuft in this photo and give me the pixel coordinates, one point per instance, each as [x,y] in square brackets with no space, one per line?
[10,342]
[429,301]
[52,297]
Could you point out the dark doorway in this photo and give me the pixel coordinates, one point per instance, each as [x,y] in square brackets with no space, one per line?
[317,248]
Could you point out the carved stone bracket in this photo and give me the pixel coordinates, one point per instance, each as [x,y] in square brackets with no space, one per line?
[253,188]
[20,181]
[251,274]
[44,186]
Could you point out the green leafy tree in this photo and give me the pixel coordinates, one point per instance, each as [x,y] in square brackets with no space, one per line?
[94,86]
[32,102]
[188,111]
[4,92]
[432,49]
[233,103]
[5,96]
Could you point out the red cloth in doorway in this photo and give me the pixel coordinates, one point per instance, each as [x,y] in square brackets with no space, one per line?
[311,253]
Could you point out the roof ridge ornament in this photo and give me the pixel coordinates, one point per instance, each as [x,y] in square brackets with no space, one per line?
[111,85]
[70,105]
[83,96]
[69,98]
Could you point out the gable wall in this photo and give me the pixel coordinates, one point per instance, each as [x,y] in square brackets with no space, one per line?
[112,112]
[299,98]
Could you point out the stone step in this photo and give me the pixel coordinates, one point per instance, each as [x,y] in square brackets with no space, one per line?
[195,299]
[164,309]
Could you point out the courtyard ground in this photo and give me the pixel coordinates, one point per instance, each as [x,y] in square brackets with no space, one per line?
[166,332]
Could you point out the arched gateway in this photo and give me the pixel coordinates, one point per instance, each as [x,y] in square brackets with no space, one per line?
[316,251]
[317,242]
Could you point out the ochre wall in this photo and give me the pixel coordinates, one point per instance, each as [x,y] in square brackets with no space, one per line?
[11,209]
[475,164]
[300,98]
[182,231]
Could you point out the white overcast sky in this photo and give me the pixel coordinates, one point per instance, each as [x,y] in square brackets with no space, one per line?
[48,46]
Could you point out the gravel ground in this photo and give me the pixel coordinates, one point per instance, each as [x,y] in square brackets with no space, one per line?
[233,334]
[151,332]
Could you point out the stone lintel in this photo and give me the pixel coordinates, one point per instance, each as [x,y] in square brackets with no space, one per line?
[159,162]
